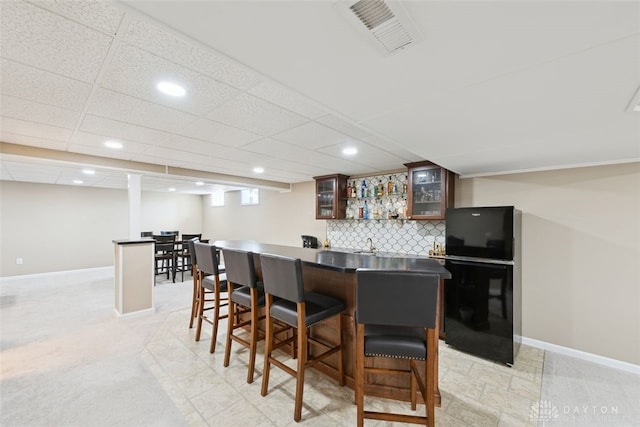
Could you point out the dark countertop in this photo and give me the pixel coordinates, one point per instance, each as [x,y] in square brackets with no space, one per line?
[133,241]
[341,261]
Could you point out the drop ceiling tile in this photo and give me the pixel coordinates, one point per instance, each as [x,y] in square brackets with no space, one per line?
[166,156]
[136,72]
[116,106]
[38,130]
[114,129]
[288,99]
[297,168]
[395,148]
[31,172]
[45,40]
[255,115]
[344,126]
[162,43]
[218,133]
[192,145]
[312,135]
[95,14]
[18,108]
[85,139]
[31,141]
[38,85]
[368,155]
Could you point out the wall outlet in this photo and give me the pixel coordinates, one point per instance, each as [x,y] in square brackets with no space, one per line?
[19,261]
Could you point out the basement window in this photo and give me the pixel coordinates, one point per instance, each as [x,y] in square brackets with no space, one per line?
[250,196]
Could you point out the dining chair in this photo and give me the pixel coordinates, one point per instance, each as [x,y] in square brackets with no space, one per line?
[184,253]
[165,255]
[287,301]
[396,318]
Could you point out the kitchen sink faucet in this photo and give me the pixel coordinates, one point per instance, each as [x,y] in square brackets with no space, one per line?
[370,242]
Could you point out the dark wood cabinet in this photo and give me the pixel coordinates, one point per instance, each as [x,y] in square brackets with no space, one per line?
[430,190]
[331,196]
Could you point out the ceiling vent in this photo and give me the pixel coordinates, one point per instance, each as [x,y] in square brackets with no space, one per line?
[386,23]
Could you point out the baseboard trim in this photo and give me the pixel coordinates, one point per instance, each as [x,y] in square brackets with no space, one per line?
[107,269]
[134,314]
[583,355]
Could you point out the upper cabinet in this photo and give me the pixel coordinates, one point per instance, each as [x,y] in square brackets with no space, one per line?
[331,196]
[430,190]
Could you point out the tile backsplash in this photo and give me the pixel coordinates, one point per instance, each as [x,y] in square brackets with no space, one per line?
[397,236]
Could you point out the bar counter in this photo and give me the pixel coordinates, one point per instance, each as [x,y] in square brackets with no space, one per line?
[333,273]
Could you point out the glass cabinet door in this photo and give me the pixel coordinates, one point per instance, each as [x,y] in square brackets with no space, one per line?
[326,194]
[331,196]
[427,193]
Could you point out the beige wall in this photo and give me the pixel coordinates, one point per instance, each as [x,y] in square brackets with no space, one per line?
[59,227]
[280,218]
[580,253]
[581,240]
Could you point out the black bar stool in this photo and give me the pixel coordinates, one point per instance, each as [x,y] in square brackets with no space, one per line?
[210,284]
[287,301]
[396,317]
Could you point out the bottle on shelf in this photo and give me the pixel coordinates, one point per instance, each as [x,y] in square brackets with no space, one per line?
[390,186]
[363,189]
[365,213]
[348,189]
[354,190]
[404,185]
[380,189]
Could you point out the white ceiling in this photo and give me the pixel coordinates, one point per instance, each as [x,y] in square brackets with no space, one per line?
[492,87]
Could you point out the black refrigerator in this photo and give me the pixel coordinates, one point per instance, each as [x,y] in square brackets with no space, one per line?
[483,298]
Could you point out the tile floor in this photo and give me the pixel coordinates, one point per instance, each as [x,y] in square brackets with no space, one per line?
[203,389]
[68,363]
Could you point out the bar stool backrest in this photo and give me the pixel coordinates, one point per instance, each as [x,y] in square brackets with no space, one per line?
[282,277]
[192,249]
[239,267]
[396,298]
[207,259]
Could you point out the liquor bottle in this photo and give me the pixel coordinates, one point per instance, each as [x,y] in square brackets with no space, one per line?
[380,189]
[365,213]
[390,186]
[354,191]
[348,189]
[363,189]
[404,186]
[376,211]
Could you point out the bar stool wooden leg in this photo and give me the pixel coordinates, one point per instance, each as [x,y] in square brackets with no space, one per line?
[254,335]
[216,316]
[200,308]
[231,310]
[302,361]
[194,298]
[267,346]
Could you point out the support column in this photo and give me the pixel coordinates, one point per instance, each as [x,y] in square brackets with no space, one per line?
[135,211]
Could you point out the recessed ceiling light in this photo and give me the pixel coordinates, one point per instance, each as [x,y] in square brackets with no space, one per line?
[349,151]
[88,171]
[258,169]
[113,144]
[77,181]
[199,183]
[171,89]
[172,189]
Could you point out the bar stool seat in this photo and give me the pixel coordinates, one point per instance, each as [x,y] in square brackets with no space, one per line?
[318,308]
[242,295]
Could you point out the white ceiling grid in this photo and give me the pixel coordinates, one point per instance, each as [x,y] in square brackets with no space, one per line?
[493,87]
